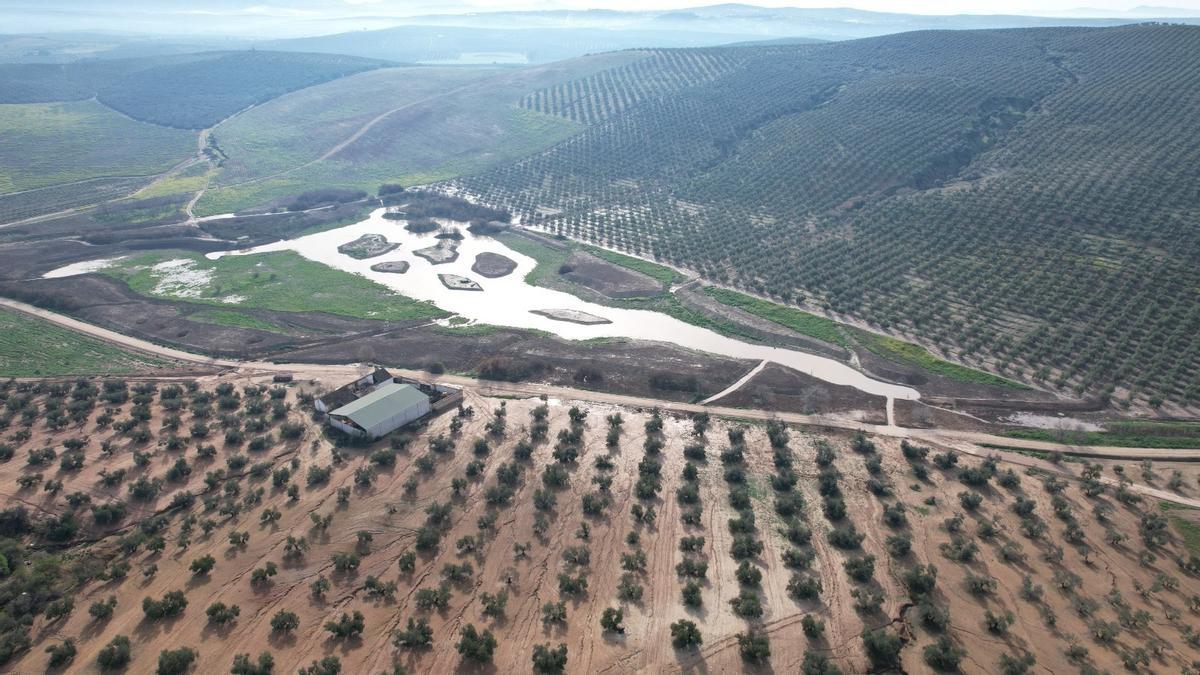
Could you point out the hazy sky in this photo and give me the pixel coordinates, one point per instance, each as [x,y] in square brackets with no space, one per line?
[286,18]
[315,8]
[904,6]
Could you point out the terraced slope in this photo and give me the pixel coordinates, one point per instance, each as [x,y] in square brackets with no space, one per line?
[596,97]
[1024,201]
[198,94]
[51,143]
[88,132]
[191,91]
[407,125]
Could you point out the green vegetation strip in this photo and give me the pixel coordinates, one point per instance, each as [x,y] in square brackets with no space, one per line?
[1188,530]
[550,258]
[31,347]
[284,282]
[916,355]
[662,274]
[800,321]
[1166,435]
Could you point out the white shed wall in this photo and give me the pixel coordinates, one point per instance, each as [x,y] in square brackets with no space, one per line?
[337,424]
[401,418]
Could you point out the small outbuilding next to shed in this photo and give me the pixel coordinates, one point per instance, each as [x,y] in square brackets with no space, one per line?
[387,408]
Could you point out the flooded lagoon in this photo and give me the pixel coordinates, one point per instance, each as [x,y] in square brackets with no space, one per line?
[510,301]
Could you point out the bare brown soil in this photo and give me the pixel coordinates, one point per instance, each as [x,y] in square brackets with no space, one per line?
[367,246]
[618,366]
[493,265]
[933,385]
[392,267]
[445,251]
[921,415]
[609,280]
[392,514]
[459,283]
[694,297]
[784,389]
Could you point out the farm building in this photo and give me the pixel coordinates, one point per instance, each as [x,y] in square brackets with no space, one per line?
[390,406]
[344,395]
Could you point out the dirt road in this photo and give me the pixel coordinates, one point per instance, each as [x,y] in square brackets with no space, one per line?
[948,437]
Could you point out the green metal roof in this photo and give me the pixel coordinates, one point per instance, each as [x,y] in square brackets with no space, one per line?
[381,404]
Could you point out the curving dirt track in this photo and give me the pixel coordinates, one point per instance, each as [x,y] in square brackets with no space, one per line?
[941,436]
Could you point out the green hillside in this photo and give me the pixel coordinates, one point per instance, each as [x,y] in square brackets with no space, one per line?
[433,124]
[198,94]
[89,132]
[191,91]
[596,97]
[1024,200]
[32,347]
[47,143]
[47,82]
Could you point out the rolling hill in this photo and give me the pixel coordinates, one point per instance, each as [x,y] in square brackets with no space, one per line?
[54,143]
[481,44]
[1025,200]
[190,91]
[87,132]
[408,125]
[60,33]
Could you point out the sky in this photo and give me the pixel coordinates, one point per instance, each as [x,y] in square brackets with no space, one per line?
[287,18]
[1109,7]
[313,8]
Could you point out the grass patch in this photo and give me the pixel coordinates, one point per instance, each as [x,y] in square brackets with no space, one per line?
[471,330]
[284,282]
[1188,530]
[188,181]
[1036,454]
[916,355]
[548,258]
[545,274]
[1165,435]
[49,143]
[31,347]
[671,306]
[469,124]
[802,322]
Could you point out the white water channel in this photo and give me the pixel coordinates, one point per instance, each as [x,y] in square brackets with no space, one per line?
[509,301]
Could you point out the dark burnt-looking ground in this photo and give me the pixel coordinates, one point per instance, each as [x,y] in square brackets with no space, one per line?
[611,281]
[693,297]
[626,367]
[934,385]
[112,304]
[923,415]
[787,390]
[661,370]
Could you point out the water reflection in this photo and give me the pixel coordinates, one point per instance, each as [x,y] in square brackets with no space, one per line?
[509,301]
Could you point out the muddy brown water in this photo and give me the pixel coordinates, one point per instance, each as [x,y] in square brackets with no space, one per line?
[510,301]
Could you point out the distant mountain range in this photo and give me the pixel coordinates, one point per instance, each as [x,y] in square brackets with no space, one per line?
[482,37]
[544,36]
